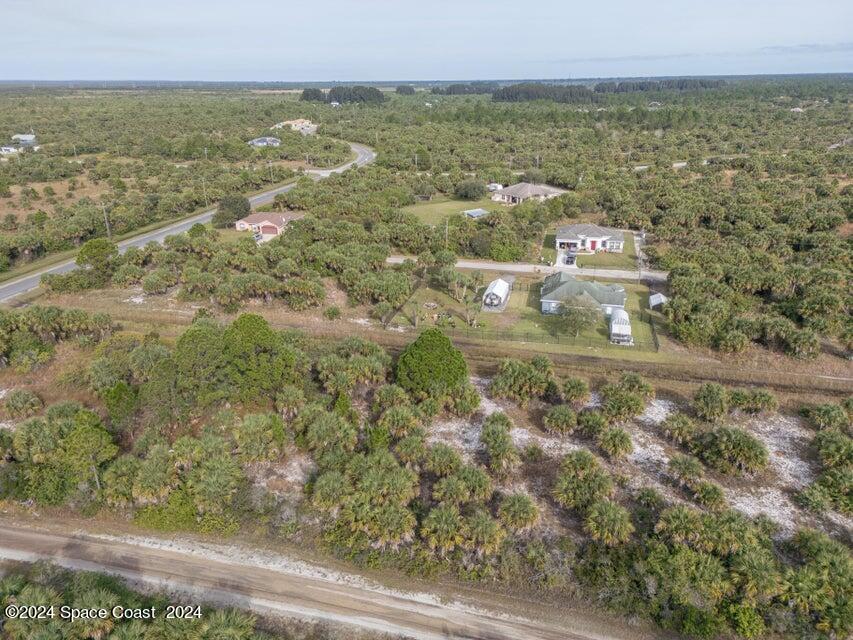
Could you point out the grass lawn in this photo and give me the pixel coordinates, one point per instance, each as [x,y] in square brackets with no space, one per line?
[231,235]
[625,260]
[522,320]
[441,207]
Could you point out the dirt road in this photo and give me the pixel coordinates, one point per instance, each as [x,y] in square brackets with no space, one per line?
[283,589]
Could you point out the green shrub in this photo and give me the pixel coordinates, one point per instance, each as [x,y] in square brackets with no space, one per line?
[711,402]
[732,450]
[615,442]
[753,400]
[592,423]
[608,523]
[431,365]
[22,403]
[560,419]
[710,495]
[575,390]
[679,428]
[332,313]
[827,416]
[581,481]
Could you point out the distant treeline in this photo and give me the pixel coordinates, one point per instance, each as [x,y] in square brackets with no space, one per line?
[465,88]
[527,91]
[357,93]
[678,84]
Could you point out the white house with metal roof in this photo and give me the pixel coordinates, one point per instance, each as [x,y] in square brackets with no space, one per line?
[475,213]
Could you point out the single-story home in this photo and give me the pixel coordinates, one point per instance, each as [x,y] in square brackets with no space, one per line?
[497,293]
[561,289]
[8,151]
[334,104]
[494,186]
[589,238]
[620,328]
[266,226]
[25,139]
[657,300]
[303,126]
[475,213]
[524,191]
[265,141]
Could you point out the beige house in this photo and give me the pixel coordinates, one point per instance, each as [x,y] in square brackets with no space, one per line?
[303,126]
[266,226]
[524,191]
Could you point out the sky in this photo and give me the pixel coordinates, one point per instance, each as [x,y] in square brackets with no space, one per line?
[345,40]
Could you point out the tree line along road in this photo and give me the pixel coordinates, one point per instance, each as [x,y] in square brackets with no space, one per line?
[9,290]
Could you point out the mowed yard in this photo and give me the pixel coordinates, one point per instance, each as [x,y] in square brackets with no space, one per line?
[437,210]
[625,260]
[522,320]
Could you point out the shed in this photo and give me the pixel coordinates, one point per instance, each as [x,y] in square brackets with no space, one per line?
[657,300]
[475,213]
[620,328]
[496,293]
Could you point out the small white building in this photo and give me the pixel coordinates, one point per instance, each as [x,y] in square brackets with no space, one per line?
[25,139]
[8,151]
[494,186]
[620,328]
[335,103]
[497,293]
[475,213]
[657,300]
[265,141]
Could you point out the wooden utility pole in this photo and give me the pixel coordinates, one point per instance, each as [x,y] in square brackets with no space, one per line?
[107,221]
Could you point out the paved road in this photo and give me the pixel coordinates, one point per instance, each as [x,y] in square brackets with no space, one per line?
[8,290]
[285,590]
[525,267]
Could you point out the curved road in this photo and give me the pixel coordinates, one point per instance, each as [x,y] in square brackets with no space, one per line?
[8,290]
[277,587]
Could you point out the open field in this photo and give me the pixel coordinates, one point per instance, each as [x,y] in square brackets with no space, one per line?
[441,207]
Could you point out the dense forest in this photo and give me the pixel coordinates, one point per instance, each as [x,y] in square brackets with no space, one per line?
[742,187]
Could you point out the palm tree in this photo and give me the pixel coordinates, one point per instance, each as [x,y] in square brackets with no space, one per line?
[679,525]
[443,529]
[560,419]
[581,481]
[442,459]
[757,574]
[394,525]
[228,624]
[615,442]
[608,523]
[477,481]
[484,534]
[686,470]
[398,420]
[451,490]
[95,628]
[214,482]
[330,490]
[518,512]
[679,428]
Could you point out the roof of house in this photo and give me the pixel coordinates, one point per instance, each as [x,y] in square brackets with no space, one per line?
[475,213]
[585,230]
[265,140]
[528,190]
[560,287]
[278,219]
[24,137]
[657,298]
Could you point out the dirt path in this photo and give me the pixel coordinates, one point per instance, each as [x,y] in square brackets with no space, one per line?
[286,588]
